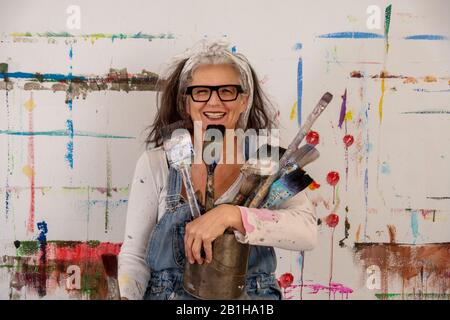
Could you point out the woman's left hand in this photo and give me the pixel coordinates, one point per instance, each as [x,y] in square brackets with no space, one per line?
[202,231]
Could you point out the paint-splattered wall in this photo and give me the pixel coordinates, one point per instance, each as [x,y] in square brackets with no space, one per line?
[74,104]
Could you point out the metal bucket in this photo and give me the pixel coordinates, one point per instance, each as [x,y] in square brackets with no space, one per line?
[223,278]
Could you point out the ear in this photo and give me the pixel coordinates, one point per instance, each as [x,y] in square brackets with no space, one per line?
[244,102]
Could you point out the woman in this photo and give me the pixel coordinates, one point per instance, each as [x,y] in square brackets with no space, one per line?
[159,236]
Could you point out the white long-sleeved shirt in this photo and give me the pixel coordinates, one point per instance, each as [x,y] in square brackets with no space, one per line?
[290,226]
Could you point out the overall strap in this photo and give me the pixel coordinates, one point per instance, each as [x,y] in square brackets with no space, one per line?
[173,188]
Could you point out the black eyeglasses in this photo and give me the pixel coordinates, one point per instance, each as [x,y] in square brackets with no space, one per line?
[228,92]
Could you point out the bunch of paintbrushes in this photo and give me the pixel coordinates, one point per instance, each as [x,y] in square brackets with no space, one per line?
[289,178]
[264,188]
[293,178]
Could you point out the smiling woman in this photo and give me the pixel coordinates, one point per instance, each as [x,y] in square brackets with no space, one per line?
[208,85]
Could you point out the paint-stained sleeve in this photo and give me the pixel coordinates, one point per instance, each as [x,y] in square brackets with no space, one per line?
[141,218]
[292,225]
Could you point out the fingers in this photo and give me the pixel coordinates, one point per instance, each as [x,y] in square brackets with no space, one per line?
[196,250]
[188,239]
[207,245]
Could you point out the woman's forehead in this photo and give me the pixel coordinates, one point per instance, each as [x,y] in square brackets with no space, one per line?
[215,73]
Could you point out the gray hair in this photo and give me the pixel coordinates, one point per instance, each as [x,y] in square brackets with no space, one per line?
[216,52]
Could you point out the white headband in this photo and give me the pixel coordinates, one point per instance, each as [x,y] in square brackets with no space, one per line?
[220,48]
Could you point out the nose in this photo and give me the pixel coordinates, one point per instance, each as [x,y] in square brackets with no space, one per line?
[214,99]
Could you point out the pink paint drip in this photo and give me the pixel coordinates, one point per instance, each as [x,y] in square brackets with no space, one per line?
[265,215]
[316,288]
[30,224]
[244,215]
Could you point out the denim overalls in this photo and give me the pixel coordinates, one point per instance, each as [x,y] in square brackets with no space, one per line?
[166,258]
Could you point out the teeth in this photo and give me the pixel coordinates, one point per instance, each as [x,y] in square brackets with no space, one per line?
[214,115]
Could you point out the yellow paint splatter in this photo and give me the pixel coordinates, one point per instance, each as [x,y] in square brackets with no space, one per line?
[124,279]
[357,233]
[28,171]
[380,104]
[293,115]
[430,79]
[410,80]
[29,104]
[348,116]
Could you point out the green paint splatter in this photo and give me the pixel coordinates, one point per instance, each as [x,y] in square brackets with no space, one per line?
[3,67]
[387,22]
[391,296]
[28,248]
[93,243]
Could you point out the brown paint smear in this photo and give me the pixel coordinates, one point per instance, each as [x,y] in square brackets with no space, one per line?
[422,268]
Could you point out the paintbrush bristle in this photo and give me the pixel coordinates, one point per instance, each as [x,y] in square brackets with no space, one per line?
[249,184]
[110,264]
[327,97]
[296,180]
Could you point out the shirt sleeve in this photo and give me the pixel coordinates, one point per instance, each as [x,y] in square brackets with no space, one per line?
[142,215]
[291,226]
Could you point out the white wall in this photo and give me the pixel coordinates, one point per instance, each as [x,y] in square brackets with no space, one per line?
[405,155]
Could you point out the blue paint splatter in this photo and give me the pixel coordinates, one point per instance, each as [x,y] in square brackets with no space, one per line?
[69,125]
[414,225]
[69,154]
[426,37]
[298,46]
[428,112]
[63,133]
[234,50]
[426,90]
[385,168]
[352,35]
[42,226]
[299,90]
[366,172]
[42,238]
[41,77]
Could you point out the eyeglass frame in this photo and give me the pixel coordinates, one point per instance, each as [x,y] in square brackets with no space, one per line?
[215,88]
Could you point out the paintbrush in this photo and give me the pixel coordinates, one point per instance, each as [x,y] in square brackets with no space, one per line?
[110,265]
[317,111]
[255,169]
[213,137]
[286,187]
[301,157]
[177,144]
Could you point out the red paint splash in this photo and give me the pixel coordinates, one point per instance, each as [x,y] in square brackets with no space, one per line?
[60,255]
[285,280]
[333,178]
[82,252]
[312,138]
[348,140]
[314,185]
[332,220]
